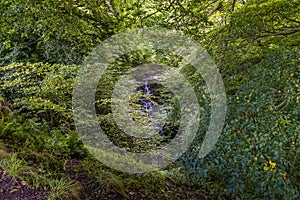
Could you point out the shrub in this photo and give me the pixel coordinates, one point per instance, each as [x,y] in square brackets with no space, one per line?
[257,153]
[40,91]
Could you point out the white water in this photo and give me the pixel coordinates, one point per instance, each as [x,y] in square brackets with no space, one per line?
[148,106]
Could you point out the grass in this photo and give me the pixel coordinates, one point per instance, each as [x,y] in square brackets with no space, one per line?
[12,165]
[62,189]
[65,175]
[90,177]
[59,188]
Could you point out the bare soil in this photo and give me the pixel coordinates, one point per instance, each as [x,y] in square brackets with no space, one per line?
[13,189]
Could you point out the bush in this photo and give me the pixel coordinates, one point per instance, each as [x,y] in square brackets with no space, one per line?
[257,152]
[40,91]
[31,139]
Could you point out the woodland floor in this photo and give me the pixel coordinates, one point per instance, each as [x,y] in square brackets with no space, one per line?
[12,188]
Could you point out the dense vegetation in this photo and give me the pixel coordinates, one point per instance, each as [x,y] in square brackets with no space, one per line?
[255,44]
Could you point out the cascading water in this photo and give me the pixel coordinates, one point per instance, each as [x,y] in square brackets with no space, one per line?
[148,106]
[147,103]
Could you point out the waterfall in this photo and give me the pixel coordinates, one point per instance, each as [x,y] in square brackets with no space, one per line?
[147,103]
[148,106]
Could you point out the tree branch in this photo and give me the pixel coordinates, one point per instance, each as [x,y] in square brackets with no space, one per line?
[286,31]
[292,20]
[219,7]
[233,4]
[160,10]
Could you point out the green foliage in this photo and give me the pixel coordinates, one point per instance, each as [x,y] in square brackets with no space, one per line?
[13,166]
[249,33]
[62,189]
[35,141]
[254,42]
[40,90]
[52,31]
[256,155]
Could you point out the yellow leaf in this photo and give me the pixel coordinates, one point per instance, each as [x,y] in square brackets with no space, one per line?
[273,164]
